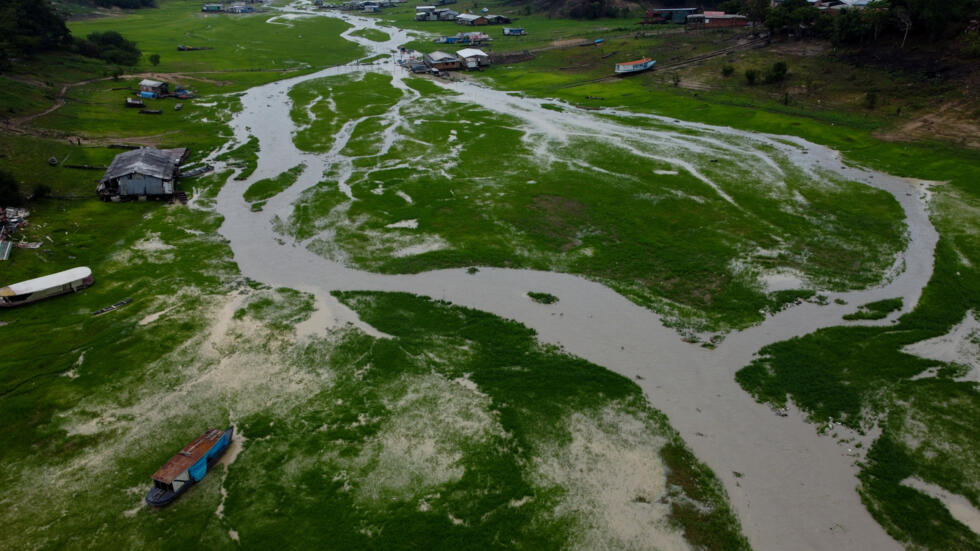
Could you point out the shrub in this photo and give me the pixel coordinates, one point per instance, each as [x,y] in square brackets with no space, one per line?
[41,191]
[727,70]
[110,46]
[870,100]
[776,73]
[751,76]
[9,191]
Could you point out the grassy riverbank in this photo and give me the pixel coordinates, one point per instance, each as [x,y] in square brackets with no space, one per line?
[340,444]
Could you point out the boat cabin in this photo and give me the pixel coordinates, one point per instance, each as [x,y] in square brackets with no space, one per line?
[51,285]
[629,67]
[188,466]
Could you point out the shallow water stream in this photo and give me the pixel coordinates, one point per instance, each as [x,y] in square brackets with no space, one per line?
[795,489]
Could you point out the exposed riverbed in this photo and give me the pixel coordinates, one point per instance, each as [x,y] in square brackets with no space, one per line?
[795,489]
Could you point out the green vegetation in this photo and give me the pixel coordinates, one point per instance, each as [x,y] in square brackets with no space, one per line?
[369,97]
[372,34]
[241,43]
[875,310]
[542,298]
[567,214]
[270,187]
[111,47]
[245,157]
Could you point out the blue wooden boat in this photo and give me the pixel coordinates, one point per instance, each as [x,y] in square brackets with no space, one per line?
[189,466]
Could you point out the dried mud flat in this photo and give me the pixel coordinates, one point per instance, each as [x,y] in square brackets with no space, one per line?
[791,487]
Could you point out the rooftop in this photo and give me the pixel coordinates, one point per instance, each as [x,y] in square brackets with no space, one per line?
[185,458]
[148,161]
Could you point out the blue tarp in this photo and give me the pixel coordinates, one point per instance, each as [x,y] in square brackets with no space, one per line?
[150,95]
[199,469]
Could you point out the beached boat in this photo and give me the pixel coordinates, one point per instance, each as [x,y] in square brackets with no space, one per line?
[630,67]
[51,285]
[189,466]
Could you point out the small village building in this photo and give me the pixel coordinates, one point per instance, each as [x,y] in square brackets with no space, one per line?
[212,7]
[497,19]
[153,88]
[240,8]
[514,31]
[442,61]
[671,15]
[473,58]
[471,19]
[426,13]
[142,173]
[446,14]
[716,20]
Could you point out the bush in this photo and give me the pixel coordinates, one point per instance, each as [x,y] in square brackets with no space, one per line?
[155,59]
[727,70]
[870,100]
[41,191]
[777,73]
[110,46]
[751,76]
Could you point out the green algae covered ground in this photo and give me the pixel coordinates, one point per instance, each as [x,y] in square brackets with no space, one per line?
[457,426]
[479,188]
[338,444]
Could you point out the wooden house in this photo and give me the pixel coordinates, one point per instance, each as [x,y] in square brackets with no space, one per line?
[442,61]
[472,58]
[142,173]
[153,88]
[471,19]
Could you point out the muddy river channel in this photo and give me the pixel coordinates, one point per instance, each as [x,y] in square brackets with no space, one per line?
[791,487]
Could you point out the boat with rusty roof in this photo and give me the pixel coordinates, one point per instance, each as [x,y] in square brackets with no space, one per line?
[632,67]
[189,466]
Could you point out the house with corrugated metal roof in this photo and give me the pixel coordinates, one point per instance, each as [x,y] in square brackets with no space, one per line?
[150,88]
[142,173]
[473,58]
[471,19]
[441,61]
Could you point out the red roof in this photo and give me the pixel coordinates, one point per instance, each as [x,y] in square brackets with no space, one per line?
[186,457]
[637,62]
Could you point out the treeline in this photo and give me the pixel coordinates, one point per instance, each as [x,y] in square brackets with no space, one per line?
[29,27]
[935,19]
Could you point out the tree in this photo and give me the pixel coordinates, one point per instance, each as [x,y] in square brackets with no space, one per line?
[155,59]
[751,75]
[906,21]
[877,13]
[732,6]
[30,26]
[112,47]
[9,191]
[41,191]
[776,73]
[756,9]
